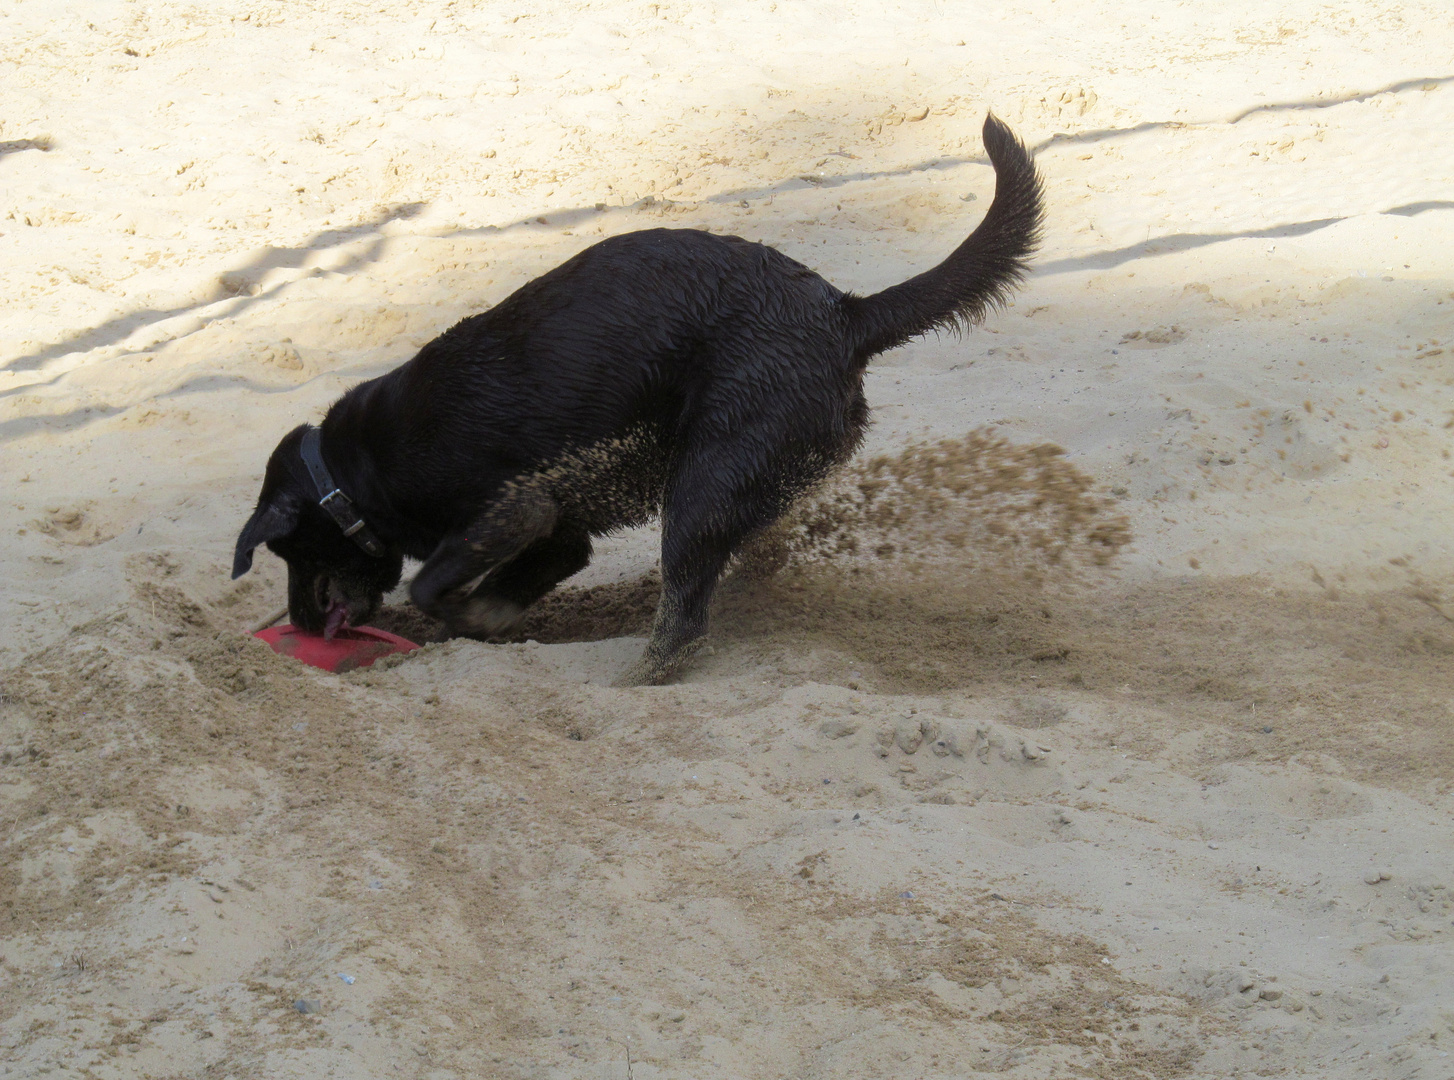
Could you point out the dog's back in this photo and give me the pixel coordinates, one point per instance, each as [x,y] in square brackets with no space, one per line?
[659,295]
[642,328]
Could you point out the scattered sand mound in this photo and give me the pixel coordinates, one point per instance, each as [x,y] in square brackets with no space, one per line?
[981,498]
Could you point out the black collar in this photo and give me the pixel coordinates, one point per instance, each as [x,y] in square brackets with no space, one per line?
[337,505]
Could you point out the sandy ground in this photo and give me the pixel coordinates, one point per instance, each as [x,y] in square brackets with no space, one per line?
[950,812]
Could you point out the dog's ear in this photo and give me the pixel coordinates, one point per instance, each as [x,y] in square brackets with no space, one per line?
[271,520]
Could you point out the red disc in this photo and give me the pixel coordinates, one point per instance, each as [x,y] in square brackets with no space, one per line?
[352,647]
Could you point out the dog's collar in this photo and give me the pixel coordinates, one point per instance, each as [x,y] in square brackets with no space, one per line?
[331,498]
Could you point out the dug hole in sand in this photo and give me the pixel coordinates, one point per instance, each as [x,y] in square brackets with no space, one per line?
[1096,723]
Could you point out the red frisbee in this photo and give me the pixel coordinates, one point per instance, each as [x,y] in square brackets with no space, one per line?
[351,647]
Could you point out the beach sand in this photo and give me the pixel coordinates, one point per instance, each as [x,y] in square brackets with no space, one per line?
[987,796]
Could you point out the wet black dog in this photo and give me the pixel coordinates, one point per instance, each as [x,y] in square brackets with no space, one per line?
[701,378]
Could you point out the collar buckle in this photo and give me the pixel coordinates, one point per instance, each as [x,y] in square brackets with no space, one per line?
[336,504]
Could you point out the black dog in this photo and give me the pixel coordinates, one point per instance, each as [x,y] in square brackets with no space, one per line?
[702,378]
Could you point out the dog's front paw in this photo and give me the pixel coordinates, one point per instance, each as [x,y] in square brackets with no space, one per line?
[487,616]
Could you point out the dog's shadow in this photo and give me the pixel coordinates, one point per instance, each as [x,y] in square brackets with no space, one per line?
[916,635]
[600,612]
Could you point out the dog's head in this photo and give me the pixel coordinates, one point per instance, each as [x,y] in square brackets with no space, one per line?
[331,581]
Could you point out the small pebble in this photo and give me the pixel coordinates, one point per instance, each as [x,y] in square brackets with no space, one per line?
[909,735]
[1033,751]
[308,1005]
[1212,846]
[1267,730]
[1373,877]
[949,744]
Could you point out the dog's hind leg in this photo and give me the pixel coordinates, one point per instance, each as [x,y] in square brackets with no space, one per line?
[690,566]
[454,584]
[710,509]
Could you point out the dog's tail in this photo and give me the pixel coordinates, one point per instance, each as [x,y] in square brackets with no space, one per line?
[979,275]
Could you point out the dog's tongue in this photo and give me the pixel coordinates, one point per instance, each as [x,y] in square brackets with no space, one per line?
[333,621]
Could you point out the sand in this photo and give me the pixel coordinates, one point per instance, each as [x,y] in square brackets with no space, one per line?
[1131,760]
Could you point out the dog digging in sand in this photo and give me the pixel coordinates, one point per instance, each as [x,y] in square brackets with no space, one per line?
[703,379]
